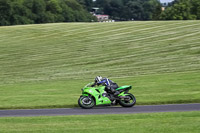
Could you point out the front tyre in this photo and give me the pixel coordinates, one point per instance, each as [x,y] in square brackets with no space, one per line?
[86,102]
[128,101]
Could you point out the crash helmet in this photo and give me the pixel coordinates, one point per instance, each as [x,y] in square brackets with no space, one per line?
[98,79]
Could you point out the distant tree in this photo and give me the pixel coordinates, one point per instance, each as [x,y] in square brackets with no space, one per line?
[134,10]
[38,8]
[79,14]
[54,11]
[19,14]
[5,12]
[195,8]
[154,9]
[114,9]
[88,4]
[53,6]
[182,10]
[67,13]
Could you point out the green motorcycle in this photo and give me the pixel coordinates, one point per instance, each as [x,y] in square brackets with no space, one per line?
[92,96]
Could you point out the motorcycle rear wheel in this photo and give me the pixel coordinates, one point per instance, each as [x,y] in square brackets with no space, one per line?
[86,102]
[129,102]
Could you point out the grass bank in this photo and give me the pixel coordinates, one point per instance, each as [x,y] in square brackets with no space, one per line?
[44,66]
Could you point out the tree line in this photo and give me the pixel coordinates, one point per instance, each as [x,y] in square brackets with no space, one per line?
[146,9]
[15,12]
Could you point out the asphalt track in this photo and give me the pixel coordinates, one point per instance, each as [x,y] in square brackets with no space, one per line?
[100,110]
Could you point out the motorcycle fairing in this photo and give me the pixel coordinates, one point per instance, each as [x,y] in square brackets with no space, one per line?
[97,94]
[124,87]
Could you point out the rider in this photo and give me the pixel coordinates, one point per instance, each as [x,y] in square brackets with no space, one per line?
[110,86]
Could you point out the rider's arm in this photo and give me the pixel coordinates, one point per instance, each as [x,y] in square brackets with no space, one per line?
[103,82]
[94,84]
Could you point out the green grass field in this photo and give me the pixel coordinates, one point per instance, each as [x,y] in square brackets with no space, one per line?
[179,122]
[45,66]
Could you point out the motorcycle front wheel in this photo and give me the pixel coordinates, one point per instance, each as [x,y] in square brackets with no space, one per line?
[86,102]
[129,101]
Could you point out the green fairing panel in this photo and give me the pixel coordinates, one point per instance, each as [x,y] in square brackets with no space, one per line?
[97,95]
[85,94]
[103,100]
[124,87]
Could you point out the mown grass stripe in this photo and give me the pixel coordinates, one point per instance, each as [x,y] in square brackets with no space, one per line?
[76,32]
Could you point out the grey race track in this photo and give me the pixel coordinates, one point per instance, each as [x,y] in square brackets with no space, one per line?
[100,110]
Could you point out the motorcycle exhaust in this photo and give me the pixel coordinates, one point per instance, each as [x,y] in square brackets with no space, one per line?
[122,97]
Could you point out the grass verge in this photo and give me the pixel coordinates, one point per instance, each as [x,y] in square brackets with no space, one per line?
[177,122]
[154,89]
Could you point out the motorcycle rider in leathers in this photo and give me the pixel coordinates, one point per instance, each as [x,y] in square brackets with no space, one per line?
[110,86]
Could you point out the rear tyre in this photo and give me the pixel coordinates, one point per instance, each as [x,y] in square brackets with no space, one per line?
[86,102]
[129,101]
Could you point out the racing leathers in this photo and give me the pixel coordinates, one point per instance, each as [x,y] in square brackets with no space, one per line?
[110,86]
